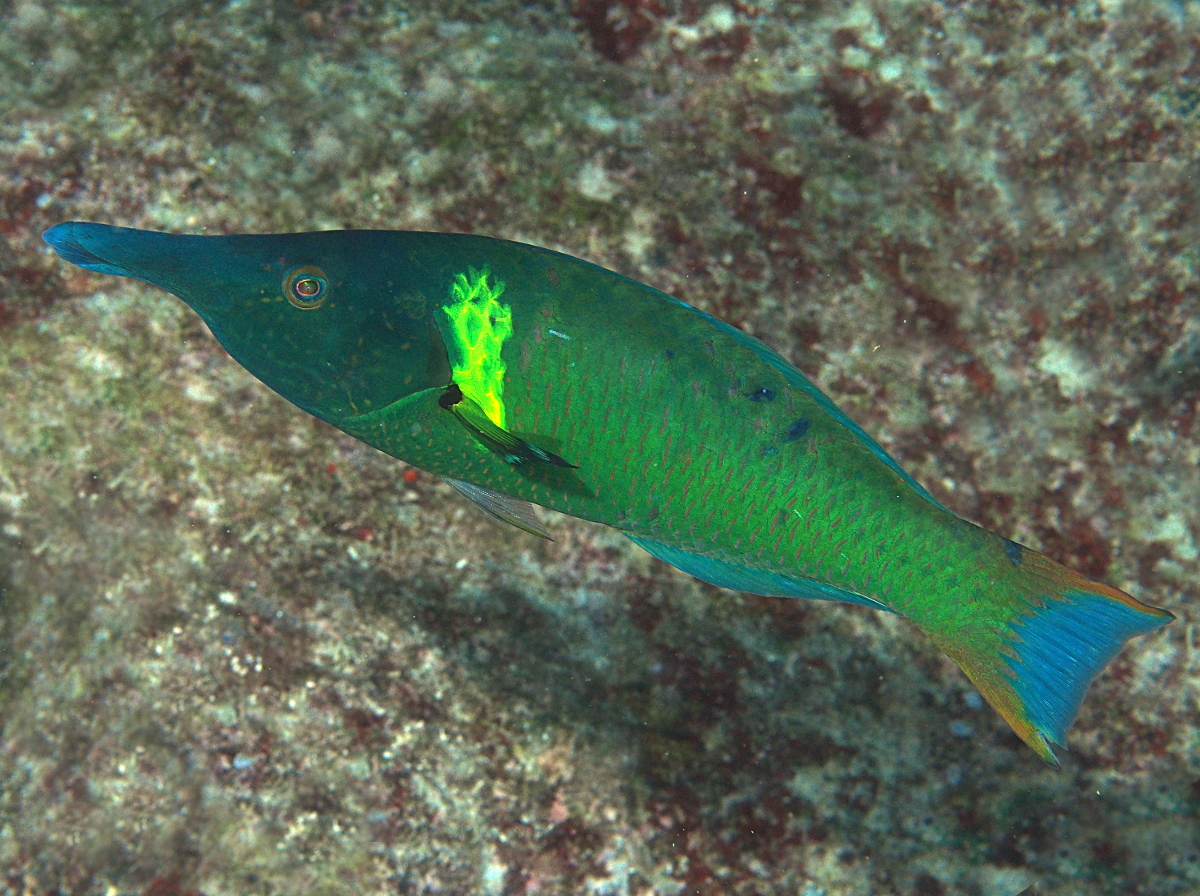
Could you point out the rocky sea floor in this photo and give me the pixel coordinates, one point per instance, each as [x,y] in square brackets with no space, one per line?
[241,653]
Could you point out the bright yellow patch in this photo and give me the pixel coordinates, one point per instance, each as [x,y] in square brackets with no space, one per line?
[480,325]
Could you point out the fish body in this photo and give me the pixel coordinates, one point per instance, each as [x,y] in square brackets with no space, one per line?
[524,376]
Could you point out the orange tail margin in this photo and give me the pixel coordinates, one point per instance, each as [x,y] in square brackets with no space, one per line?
[1071,629]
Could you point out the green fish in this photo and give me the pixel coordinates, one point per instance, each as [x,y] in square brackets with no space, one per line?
[523,376]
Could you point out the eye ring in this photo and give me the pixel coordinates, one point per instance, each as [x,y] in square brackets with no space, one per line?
[306,287]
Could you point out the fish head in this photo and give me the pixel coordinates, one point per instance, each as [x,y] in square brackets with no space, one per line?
[332,321]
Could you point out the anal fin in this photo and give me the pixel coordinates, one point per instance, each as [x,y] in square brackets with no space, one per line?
[744,578]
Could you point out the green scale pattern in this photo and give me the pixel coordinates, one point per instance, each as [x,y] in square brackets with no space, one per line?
[681,436]
[627,407]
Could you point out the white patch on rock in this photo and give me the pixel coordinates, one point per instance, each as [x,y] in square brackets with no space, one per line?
[594,183]
[1074,372]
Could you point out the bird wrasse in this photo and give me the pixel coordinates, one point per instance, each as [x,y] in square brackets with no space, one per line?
[523,376]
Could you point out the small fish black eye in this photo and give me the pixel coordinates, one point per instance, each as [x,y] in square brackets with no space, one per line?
[306,287]
[763,394]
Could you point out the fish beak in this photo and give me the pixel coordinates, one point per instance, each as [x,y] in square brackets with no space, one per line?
[96,247]
[169,261]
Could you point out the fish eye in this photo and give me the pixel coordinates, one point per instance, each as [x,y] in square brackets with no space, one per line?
[306,287]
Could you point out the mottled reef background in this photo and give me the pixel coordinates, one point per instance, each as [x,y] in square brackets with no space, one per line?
[243,654]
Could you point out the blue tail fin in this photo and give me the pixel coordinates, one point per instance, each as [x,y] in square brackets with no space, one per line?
[1070,628]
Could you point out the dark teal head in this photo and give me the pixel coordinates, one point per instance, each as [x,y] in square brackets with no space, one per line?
[334,322]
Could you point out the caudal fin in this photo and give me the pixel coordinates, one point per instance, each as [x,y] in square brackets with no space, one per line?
[1068,630]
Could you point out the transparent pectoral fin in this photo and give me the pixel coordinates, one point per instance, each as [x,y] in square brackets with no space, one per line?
[512,449]
[511,510]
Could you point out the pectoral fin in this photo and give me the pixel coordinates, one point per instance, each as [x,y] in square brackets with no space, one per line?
[511,448]
[502,507]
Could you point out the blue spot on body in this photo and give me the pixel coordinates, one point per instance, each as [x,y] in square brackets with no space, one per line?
[1014,552]
[763,394]
[669,354]
[798,429]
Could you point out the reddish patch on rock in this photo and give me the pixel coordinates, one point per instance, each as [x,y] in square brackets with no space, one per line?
[646,604]
[169,885]
[618,28]
[367,727]
[785,191]
[715,689]
[1076,544]
[942,316]
[860,107]
[719,52]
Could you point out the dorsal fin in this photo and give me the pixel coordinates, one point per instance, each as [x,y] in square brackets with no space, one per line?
[800,381]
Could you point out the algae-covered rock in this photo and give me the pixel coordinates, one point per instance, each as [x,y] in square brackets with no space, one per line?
[241,653]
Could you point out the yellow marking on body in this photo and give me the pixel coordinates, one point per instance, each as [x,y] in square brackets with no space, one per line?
[480,325]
